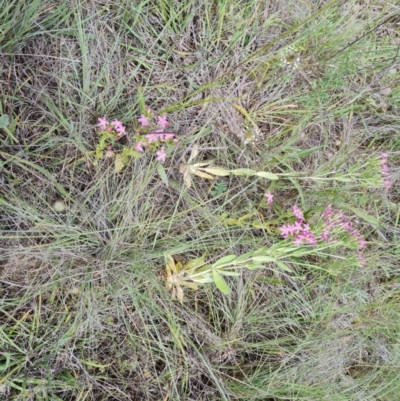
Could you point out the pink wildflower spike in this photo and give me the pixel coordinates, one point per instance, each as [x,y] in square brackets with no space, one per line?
[161,155]
[298,226]
[298,213]
[138,147]
[298,241]
[162,121]
[270,198]
[144,120]
[291,228]
[103,123]
[310,238]
[117,124]
[109,147]
[284,231]
[325,235]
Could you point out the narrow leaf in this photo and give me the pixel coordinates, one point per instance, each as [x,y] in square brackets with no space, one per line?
[229,273]
[270,280]
[161,172]
[4,121]
[203,175]
[119,164]
[194,264]
[225,260]
[245,256]
[217,171]
[269,176]
[283,266]
[187,179]
[263,259]
[220,283]
[254,265]
[244,172]
[203,279]
[365,216]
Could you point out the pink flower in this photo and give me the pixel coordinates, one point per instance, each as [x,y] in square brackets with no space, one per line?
[144,120]
[284,231]
[325,235]
[161,155]
[152,137]
[117,124]
[270,198]
[162,121]
[385,169]
[168,136]
[138,147]
[298,213]
[298,240]
[121,131]
[297,227]
[103,123]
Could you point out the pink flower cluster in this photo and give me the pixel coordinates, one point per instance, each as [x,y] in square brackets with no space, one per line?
[300,230]
[332,219]
[385,169]
[144,136]
[335,218]
[115,125]
[154,137]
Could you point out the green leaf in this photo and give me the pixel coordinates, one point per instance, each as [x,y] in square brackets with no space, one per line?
[254,265]
[261,251]
[140,96]
[245,217]
[364,215]
[283,266]
[267,175]
[119,164]
[161,172]
[245,256]
[220,283]
[244,172]
[229,273]
[202,279]
[343,179]
[195,263]
[225,260]
[4,121]
[216,171]
[270,280]
[263,259]
[132,152]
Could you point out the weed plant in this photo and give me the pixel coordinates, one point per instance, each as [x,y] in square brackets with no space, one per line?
[243,247]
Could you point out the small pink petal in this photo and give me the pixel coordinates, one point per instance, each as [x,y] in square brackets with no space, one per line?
[161,155]
[144,120]
[138,147]
[103,123]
